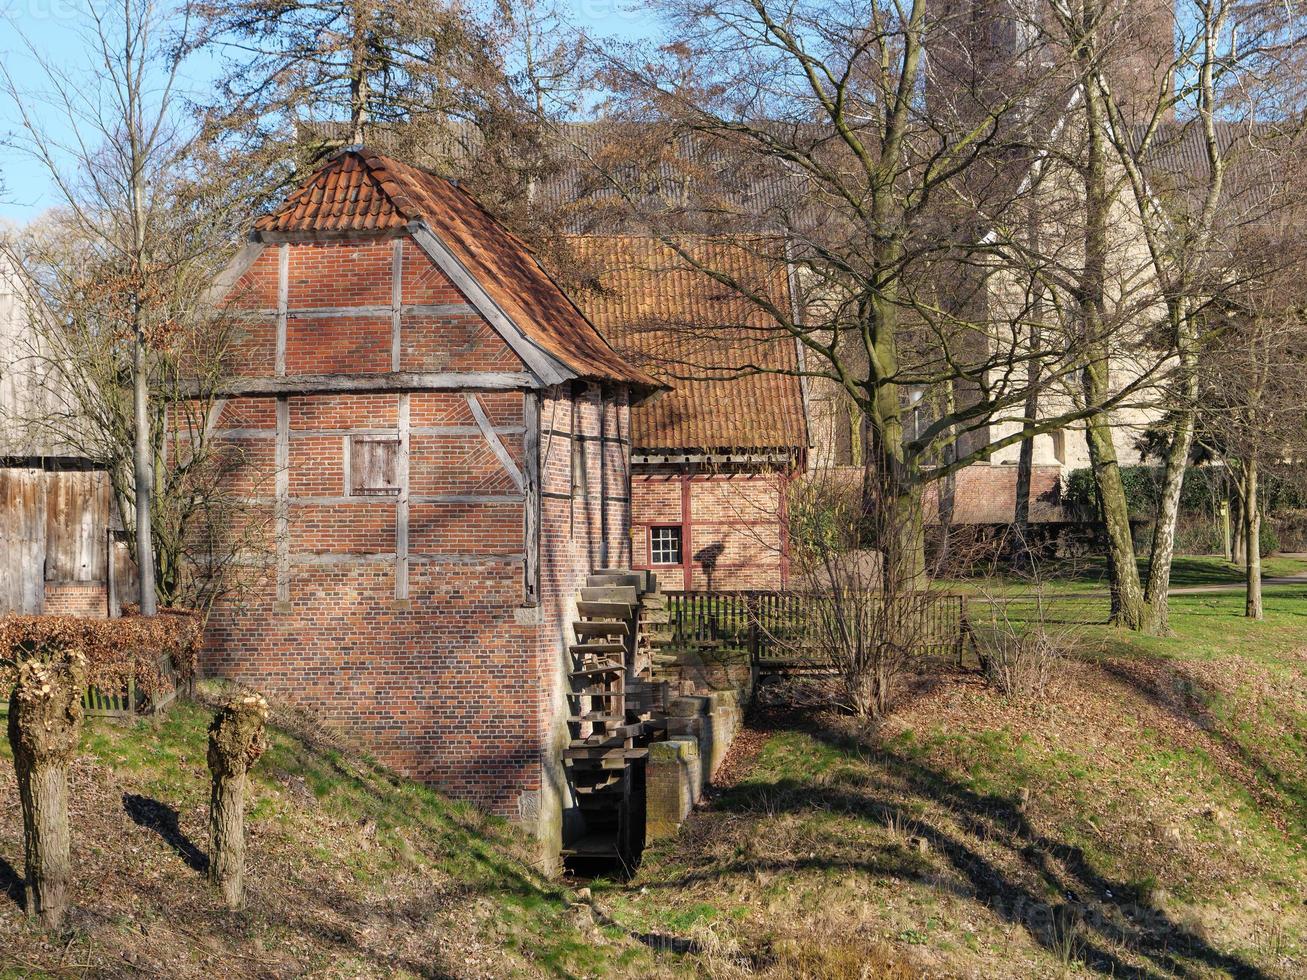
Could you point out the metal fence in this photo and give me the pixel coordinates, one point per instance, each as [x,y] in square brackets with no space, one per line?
[776,629]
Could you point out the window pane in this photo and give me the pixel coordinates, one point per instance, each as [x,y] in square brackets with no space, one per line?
[665,545]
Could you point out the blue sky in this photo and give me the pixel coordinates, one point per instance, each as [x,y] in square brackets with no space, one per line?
[54,27]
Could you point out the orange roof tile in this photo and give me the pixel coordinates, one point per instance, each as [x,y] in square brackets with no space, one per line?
[359,192]
[732,370]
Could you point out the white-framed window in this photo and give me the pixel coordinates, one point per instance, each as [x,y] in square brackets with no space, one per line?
[665,545]
[373,466]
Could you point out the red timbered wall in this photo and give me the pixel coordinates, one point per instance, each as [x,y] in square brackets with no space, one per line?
[405,617]
[731,527]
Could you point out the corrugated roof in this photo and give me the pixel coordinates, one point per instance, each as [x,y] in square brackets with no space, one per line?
[692,171]
[360,192]
[1263,165]
[732,369]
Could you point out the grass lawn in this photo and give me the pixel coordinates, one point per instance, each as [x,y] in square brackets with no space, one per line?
[1090,575]
[1146,818]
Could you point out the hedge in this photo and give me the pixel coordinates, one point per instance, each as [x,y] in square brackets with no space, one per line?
[1202,492]
[117,651]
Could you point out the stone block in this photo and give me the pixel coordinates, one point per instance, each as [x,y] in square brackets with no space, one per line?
[672,785]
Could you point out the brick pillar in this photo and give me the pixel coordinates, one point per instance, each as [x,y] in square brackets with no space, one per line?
[672,784]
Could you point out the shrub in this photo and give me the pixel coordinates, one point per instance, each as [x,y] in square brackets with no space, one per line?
[1024,664]
[117,651]
[1268,541]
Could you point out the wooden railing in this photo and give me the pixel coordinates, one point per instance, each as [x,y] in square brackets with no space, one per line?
[775,628]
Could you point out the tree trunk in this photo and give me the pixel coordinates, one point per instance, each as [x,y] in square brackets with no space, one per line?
[236,740]
[1177,462]
[1026,458]
[45,726]
[144,466]
[1238,555]
[1252,541]
[359,89]
[1128,606]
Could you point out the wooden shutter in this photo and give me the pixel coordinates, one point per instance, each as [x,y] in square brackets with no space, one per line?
[374,466]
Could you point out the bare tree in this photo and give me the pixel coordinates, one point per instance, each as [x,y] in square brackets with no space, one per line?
[1196,95]
[1252,406]
[379,62]
[149,212]
[901,195]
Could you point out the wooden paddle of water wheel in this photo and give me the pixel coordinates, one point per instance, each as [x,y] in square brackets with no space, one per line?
[615,711]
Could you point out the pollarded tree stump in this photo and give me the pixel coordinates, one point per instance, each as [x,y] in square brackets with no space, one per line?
[236,740]
[45,726]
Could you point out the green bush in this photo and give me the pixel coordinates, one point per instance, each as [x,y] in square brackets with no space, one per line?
[1268,541]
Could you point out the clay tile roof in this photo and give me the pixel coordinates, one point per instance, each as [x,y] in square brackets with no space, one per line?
[359,192]
[722,356]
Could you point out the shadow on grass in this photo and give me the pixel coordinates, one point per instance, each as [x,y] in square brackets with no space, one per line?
[162,819]
[1188,701]
[11,883]
[1103,927]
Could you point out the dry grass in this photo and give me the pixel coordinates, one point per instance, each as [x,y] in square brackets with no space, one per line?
[1144,819]
[353,873]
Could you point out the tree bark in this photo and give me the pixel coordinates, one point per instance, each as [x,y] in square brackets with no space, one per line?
[144,465]
[359,83]
[45,726]
[1177,462]
[1252,541]
[1128,606]
[236,740]
[1238,555]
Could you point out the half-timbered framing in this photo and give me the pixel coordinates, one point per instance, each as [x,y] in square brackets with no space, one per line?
[409,386]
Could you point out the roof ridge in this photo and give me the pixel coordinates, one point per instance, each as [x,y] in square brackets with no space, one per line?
[378,167]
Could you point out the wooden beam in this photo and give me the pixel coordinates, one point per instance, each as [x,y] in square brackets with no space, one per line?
[417,430]
[341,312]
[396,301]
[531,512]
[283,302]
[377,500]
[282,507]
[496,444]
[401,504]
[393,381]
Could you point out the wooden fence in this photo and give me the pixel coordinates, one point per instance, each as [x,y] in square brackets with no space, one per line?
[775,629]
[129,701]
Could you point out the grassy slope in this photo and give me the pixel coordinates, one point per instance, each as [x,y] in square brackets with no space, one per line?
[1089,575]
[1159,798]
[1161,792]
[353,872]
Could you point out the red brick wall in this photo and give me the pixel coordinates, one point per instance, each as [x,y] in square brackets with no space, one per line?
[76,599]
[733,536]
[457,684]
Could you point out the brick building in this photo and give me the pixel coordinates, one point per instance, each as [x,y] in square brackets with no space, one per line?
[713,457]
[437,442]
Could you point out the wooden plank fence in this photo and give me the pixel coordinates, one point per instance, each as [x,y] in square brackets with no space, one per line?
[53,529]
[774,630]
[129,701]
